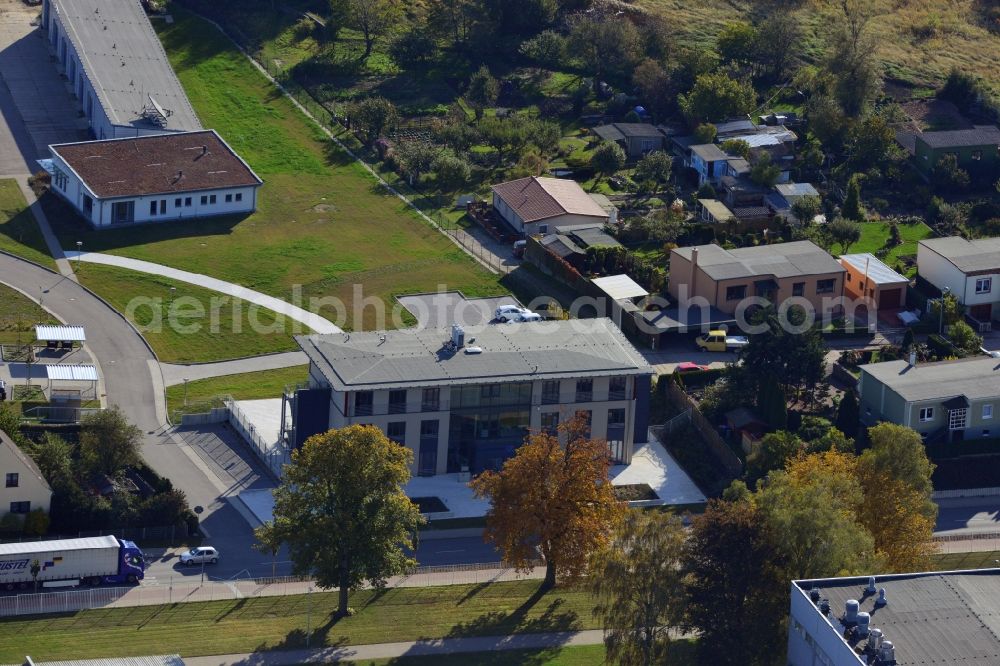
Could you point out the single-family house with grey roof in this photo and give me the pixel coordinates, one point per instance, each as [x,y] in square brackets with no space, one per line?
[464,404]
[636,139]
[950,400]
[967,269]
[976,149]
[725,278]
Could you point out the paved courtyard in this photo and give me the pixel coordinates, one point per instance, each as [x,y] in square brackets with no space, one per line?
[36,105]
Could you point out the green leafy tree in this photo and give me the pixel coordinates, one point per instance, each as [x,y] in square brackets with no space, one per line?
[831,440]
[607,159]
[908,340]
[639,587]
[375,116]
[771,402]
[773,453]
[871,142]
[547,48]
[778,41]
[737,585]
[454,20]
[765,172]
[952,309]
[845,232]
[605,46]
[852,209]
[852,60]
[452,172]
[795,360]
[372,18]
[948,177]
[738,147]
[412,47]
[805,209]
[898,511]
[483,91]
[964,338]
[737,42]
[849,414]
[415,158]
[108,442]
[716,97]
[342,511]
[705,133]
[36,523]
[827,121]
[654,169]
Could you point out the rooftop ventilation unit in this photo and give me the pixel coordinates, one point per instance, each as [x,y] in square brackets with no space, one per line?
[473,350]
[851,612]
[457,336]
[886,655]
[882,600]
[874,641]
[871,584]
[814,595]
[864,621]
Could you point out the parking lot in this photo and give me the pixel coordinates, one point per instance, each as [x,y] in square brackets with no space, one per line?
[36,107]
[441,310]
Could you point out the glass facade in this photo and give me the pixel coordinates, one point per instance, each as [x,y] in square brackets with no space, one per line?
[488,423]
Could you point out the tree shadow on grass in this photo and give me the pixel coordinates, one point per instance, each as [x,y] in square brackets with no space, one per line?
[502,623]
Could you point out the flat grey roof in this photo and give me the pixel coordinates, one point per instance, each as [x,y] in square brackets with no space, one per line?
[967,256]
[931,618]
[594,237]
[780,260]
[796,190]
[979,135]
[511,353]
[710,152]
[975,378]
[125,61]
[676,319]
[618,287]
[878,272]
[157,660]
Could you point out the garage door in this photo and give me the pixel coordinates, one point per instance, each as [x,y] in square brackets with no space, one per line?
[889,299]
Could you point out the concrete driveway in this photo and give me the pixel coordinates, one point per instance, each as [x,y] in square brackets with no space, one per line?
[36,105]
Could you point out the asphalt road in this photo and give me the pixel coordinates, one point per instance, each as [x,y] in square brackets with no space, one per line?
[132,382]
[968,516]
[463,550]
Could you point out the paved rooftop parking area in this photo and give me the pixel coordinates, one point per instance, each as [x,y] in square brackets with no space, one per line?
[441,310]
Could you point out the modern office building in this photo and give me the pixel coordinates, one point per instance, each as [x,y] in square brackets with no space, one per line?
[464,404]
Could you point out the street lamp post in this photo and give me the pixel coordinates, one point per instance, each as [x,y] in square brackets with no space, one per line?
[185,392]
[79,252]
[308,616]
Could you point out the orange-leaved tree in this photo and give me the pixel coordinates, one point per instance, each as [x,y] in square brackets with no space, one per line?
[554,499]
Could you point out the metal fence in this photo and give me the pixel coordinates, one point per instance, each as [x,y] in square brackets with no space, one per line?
[159,592]
[274,455]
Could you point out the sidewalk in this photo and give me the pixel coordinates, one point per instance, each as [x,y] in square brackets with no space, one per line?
[433,646]
[314,321]
[176,374]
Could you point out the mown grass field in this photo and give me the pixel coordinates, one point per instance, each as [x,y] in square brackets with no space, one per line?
[190,324]
[918,41]
[682,653]
[246,625]
[958,561]
[323,222]
[18,313]
[19,233]
[204,394]
[875,234]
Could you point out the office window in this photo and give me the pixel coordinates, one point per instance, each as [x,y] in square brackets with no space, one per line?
[397,402]
[239,196]
[12,479]
[736,293]
[550,392]
[430,401]
[396,431]
[163,206]
[984,285]
[616,388]
[187,201]
[211,199]
[177,202]
[152,208]
[363,401]
[799,289]
[20,507]
[926,414]
[616,417]
[550,422]
[584,390]
[489,391]
[825,286]
[229,198]
[987,412]
[204,200]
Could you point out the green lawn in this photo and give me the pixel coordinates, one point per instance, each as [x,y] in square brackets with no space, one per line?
[204,394]
[246,625]
[192,324]
[18,313]
[682,654]
[958,561]
[19,233]
[875,234]
[323,223]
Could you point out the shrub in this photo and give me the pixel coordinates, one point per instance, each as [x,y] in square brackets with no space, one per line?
[36,523]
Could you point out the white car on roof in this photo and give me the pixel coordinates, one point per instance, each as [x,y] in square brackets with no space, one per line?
[528,316]
[508,312]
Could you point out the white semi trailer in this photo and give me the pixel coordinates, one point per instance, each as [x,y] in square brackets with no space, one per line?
[65,562]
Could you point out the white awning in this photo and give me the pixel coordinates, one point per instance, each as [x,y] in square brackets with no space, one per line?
[60,333]
[71,373]
[619,287]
